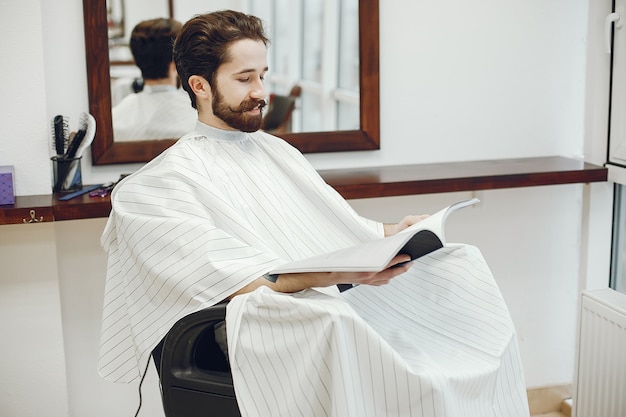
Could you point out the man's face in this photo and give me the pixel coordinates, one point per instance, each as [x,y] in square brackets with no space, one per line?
[238,94]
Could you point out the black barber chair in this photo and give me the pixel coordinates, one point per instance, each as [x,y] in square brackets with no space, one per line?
[194,373]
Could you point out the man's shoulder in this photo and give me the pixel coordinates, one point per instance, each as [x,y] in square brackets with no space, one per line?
[127,103]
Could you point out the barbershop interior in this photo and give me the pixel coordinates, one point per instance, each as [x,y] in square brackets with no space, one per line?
[404,107]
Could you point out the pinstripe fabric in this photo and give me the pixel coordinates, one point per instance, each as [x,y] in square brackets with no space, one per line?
[157,112]
[437,341]
[212,213]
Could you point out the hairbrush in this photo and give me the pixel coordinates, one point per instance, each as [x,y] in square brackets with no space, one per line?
[60,134]
[83,138]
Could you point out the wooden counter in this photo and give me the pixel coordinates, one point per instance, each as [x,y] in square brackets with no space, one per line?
[361,183]
[461,176]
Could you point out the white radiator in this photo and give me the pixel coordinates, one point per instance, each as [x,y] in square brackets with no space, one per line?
[600,387]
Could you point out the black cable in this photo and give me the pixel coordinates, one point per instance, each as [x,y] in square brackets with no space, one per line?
[145,371]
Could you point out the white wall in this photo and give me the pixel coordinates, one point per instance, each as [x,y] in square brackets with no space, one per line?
[23,126]
[33,382]
[459,81]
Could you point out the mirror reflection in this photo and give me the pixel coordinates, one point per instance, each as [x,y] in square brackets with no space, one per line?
[104,150]
[312,85]
[151,105]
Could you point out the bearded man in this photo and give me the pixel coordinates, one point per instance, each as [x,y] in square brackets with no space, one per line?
[208,219]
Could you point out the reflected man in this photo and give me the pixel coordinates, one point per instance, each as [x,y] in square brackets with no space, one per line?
[160,110]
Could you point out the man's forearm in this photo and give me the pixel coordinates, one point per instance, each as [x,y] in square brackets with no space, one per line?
[289,283]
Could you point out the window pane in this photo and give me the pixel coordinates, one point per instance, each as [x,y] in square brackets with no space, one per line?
[311,117]
[280,33]
[349,46]
[348,116]
[618,251]
[312,40]
[258,8]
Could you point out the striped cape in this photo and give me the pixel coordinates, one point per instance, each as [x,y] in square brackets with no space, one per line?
[211,214]
[437,341]
[219,209]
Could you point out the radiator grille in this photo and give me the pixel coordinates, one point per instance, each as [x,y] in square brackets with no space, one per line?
[601,368]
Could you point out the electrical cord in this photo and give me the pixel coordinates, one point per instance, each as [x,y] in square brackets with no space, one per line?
[145,371]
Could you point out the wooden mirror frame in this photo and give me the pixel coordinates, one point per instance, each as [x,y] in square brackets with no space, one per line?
[105,151]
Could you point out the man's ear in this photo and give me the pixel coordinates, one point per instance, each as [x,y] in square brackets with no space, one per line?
[200,86]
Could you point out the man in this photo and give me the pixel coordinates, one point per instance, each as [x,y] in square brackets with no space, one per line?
[210,217]
[160,110]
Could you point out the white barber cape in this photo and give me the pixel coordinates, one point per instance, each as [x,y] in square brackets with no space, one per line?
[437,341]
[218,210]
[156,112]
[211,214]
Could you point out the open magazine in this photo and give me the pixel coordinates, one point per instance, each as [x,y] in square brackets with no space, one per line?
[418,240]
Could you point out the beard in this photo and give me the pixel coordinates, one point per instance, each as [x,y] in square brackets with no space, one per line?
[237,118]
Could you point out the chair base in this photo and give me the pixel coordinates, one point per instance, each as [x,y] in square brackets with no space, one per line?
[190,403]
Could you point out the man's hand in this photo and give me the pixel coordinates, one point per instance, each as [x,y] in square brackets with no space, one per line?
[289,283]
[398,265]
[392,229]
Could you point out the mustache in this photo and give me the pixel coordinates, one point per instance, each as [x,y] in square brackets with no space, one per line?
[248,105]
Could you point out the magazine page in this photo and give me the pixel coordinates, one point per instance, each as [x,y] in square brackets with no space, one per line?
[436,222]
[373,255]
[417,240]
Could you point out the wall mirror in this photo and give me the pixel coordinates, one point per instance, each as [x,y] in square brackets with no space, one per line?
[106,151]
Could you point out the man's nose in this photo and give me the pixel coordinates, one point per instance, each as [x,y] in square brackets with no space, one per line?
[258,91]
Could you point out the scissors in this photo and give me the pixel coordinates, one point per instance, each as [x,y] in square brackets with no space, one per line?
[103,191]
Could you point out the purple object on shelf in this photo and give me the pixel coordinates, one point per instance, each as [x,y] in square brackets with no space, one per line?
[7,186]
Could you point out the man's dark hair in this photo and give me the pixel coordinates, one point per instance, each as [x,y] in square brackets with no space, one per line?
[203,44]
[151,43]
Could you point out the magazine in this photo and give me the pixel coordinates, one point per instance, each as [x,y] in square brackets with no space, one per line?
[418,240]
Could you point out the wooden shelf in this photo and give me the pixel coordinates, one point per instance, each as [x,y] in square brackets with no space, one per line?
[365,183]
[20,212]
[81,207]
[461,176]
